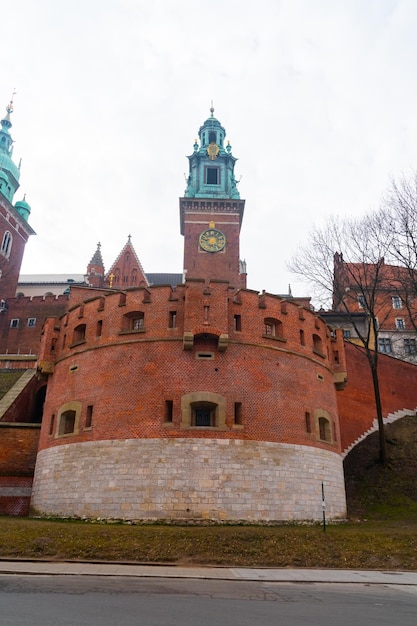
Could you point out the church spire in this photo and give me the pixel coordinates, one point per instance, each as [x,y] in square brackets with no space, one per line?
[95,269]
[9,172]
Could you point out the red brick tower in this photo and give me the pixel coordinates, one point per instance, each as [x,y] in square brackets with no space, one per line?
[204,400]
[211,212]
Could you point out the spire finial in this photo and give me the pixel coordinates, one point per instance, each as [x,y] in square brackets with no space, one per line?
[129,237]
[9,107]
[212,109]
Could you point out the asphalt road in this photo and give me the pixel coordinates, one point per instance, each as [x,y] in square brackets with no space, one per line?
[124,601]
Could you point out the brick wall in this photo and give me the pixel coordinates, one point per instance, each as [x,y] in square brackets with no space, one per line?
[356,403]
[24,339]
[18,449]
[119,381]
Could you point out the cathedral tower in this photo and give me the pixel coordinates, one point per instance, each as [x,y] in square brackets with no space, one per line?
[211,211]
[14,228]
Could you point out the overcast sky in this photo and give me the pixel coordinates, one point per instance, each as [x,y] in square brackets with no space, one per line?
[318,98]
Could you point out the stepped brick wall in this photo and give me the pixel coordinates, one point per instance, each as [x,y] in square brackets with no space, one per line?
[356,402]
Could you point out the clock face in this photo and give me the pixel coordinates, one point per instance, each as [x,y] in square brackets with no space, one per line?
[212,240]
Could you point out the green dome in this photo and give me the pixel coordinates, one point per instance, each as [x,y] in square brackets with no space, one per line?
[23,208]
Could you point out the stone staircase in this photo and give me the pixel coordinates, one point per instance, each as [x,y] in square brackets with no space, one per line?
[391,417]
[8,399]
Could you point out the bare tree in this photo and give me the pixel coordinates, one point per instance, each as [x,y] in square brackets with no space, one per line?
[399,212]
[344,265]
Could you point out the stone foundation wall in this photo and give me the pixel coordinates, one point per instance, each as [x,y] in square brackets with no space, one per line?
[216,479]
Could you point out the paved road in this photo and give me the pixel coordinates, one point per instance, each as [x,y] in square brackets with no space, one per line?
[74,600]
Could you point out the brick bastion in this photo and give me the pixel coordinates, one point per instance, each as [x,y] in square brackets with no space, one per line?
[198,402]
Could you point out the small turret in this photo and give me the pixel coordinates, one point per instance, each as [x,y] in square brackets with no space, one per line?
[23,208]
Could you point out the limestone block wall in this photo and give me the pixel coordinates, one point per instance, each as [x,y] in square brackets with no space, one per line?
[220,479]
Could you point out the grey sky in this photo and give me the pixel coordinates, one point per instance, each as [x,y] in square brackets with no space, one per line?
[318,98]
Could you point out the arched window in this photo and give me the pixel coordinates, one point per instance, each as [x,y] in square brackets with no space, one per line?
[67,423]
[68,419]
[6,244]
[273,328]
[203,409]
[134,322]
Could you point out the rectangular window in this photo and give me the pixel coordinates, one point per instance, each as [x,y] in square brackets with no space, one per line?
[14,323]
[212,176]
[361,301]
[172,319]
[52,424]
[396,302]
[308,422]
[203,417]
[238,413]
[89,416]
[67,423]
[31,321]
[384,345]
[99,328]
[137,323]
[347,333]
[169,407]
[410,346]
[400,323]
[302,338]
[238,323]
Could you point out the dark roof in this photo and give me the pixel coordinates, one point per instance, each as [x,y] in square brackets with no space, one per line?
[165,279]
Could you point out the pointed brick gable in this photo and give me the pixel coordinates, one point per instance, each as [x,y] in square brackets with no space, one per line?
[127,270]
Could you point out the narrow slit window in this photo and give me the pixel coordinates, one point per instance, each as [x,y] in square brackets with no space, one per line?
[238,413]
[89,416]
[169,409]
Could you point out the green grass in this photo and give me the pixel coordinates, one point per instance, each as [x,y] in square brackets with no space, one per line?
[375,545]
[8,379]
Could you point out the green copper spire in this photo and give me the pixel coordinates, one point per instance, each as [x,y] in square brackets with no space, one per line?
[212,164]
[9,172]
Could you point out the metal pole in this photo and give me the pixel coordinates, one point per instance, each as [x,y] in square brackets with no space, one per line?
[323,505]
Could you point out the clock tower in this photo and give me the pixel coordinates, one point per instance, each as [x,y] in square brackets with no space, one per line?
[211,210]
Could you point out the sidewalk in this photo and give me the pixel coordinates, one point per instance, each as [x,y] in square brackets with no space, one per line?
[369,577]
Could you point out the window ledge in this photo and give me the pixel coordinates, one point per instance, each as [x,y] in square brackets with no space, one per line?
[320,354]
[132,332]
[199,428]
[275,338]
[77,343]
